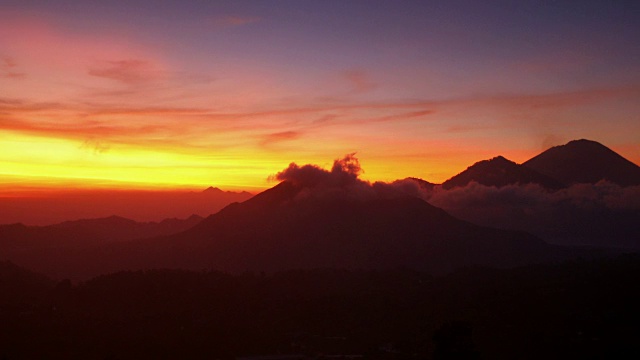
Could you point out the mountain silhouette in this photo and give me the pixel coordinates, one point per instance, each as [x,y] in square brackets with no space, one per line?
[18,238]
[500,172]
[410,181]
[586,212]
[141,205]
[288,227]
[216,191]
[585,161]
[313,218]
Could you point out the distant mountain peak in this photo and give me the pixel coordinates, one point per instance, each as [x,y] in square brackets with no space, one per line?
[501,158]
[500,171]
[583,142]
[421,182]
[212,189]
[585,161]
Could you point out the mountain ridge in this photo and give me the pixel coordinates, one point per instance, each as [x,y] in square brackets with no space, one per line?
[498,172]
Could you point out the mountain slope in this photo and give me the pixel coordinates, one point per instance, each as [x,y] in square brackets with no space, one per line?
[287,227]
[585,161]
[86,232]
[18,285]
[500,172]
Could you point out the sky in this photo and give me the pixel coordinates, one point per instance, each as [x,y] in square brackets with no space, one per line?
[187,94]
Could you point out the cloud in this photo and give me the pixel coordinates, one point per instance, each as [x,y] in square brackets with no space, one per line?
[344,172]
[396,117]
[43,40]
[340,182]
[8,69]
[564,99]
[280,136]
[359,80]
[600,214]
[128,72]
[82,130]
[233,21]
[343,181]
[602,195]
[325,119]
[96,146]
[213,125]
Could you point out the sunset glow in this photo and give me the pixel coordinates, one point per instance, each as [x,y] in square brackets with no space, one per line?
[180,95]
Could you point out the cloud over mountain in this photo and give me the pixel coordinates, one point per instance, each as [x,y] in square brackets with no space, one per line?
[604,214]
[342,180]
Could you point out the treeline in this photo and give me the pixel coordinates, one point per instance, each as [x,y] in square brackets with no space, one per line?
[580,309]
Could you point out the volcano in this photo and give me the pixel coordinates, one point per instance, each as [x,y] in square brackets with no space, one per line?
[585,161]
[322,219]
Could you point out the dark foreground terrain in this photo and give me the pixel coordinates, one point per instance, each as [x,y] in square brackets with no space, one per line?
[580,309]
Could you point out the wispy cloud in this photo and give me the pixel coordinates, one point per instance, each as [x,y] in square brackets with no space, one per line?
[9,69]
[278,137]
[97,146]
[130,72]
[45,42]
[77,129]
[183,127]
[396,117]
[233,21]
[359,80]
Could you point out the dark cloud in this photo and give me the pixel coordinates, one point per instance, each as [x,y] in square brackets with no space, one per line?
[340,182]
[344,173]
[343,181]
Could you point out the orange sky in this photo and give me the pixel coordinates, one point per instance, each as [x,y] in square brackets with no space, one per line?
[189,96]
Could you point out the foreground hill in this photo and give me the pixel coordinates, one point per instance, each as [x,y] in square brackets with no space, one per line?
[500,172]
[585,161]
[582,309]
